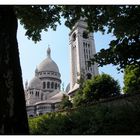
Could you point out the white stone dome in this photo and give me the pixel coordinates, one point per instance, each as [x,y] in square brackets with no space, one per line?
[35,83]
[48,64]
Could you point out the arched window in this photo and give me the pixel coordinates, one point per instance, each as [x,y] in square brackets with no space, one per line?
[52,85]
[84,44]
[89,76]
[48,84]
[53,107]
[30,115]
[36,93]
[55,85]
[44,85]
[41,96]
[58,86]
[85,34]
[40,113]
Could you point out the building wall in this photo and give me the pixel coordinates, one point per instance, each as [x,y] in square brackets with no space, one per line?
[82,48]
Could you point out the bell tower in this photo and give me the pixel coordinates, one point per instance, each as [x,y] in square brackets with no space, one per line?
[82,48]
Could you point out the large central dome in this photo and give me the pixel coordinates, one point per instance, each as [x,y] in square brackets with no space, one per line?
[48,65]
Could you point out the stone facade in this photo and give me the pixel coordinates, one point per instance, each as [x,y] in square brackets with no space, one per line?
[43,91]
[82,48]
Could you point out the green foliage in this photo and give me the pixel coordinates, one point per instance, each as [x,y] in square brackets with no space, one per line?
[101,86]
[118,20]
[66,103]
[78,99]
[123,50]
[48,124]
[36,18]
[132,79]
[115,117]
[123,21]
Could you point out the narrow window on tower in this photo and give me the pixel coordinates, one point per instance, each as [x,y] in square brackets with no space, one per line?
[44,85]
[85,35]
[55,85]
[91,68]
[42,96]
[36,93]
[48,84]
[83,44]
[88,76]
[58,86]
[52,85]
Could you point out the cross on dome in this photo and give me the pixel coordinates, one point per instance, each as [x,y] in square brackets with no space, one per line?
[49,52]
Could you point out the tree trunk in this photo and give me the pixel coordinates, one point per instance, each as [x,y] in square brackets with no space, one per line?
[13,116]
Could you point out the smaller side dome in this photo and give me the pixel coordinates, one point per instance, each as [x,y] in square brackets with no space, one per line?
[35,83]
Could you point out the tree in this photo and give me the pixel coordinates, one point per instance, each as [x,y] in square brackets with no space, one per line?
[99,87]
[65,103]
[124,50]
[13,118]
[121,20]
[78,99]
[132,79]
[35,19]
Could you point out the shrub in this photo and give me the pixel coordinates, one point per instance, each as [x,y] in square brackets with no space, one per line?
[115,117]
[65,103]
[132,79]
[101,86]
[78,99]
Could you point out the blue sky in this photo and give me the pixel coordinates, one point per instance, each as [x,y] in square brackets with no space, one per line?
[32,54]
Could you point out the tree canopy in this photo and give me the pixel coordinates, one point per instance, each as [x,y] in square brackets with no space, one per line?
[36,18]
[132,79]
[121,20]
[99,87]
[65,103]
